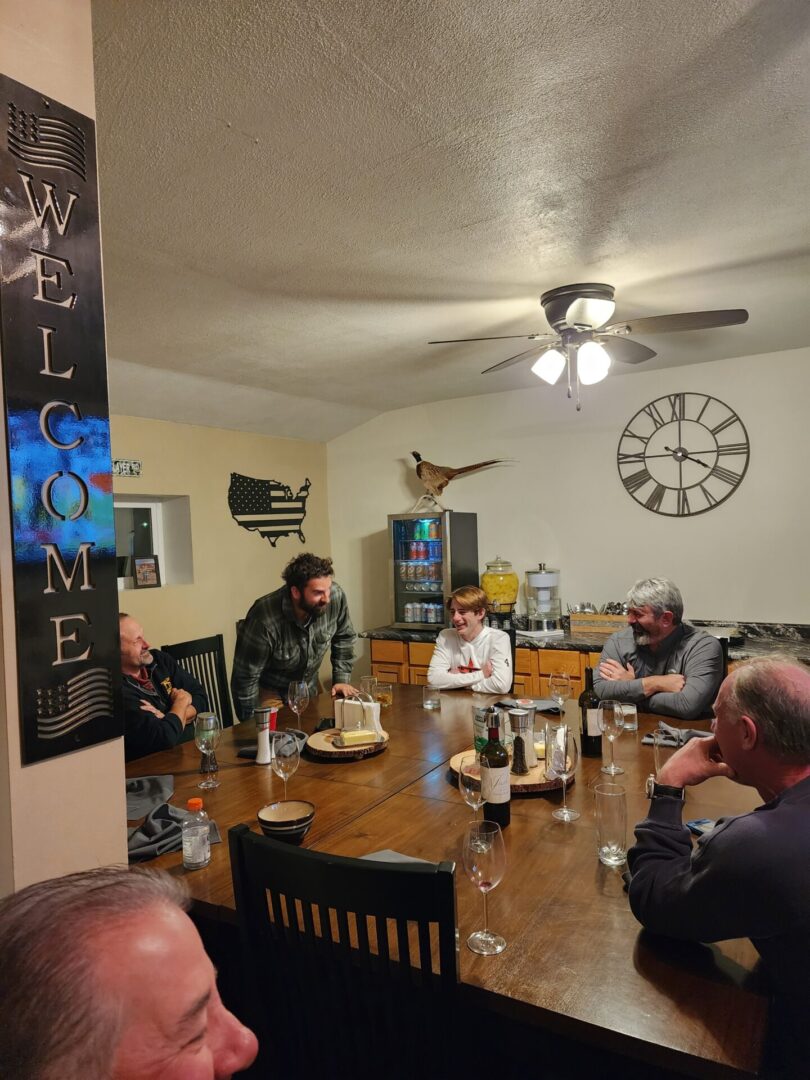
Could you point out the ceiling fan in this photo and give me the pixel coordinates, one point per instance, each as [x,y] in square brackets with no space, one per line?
[578,314]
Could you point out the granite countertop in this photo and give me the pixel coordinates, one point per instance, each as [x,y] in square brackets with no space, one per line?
[791,641]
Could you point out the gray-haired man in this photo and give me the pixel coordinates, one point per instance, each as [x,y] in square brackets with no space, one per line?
[659,662]
[102,974]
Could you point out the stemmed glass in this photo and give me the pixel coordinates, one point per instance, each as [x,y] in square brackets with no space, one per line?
[565,763]
[286,757]
[469,783]
[207,733]
[485,864]
[298,697]
[610,718]
[559,688]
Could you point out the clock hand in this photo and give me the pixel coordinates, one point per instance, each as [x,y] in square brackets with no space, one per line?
[681,457]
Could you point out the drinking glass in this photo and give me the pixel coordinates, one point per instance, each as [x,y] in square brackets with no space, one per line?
[286,757]
[565,764]
[298,697]
[207,733]
[485,864]
[430,698]
[610,718]
[469,783]
[384,694]
[611,824]
[663,748]
[368,684]
[559,688]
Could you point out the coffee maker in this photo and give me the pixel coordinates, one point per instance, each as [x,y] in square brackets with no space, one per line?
[543,608]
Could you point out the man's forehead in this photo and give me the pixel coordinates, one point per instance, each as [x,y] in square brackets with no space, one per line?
[130,629]
[319,583]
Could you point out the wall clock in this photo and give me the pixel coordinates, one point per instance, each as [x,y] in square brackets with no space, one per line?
[683,454]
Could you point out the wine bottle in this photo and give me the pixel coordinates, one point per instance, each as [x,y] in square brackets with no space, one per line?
[590,736]
[495,780]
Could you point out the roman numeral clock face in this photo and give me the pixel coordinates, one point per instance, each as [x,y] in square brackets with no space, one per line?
[683,454]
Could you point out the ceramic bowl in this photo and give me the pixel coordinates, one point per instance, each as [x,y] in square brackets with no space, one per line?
[288,821]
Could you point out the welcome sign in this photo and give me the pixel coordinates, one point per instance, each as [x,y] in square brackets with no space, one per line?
[57,427]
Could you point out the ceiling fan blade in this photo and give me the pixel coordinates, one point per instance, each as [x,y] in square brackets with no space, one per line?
[625,350]
[502,337]
[686,320]
[535,352]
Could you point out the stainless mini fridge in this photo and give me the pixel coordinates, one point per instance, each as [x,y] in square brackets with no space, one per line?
[430,555]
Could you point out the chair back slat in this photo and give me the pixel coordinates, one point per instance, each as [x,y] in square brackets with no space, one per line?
[204,658]
[369,947]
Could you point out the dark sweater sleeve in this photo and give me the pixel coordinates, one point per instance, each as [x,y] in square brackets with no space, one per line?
[145,733]
[721,890]
[184,680]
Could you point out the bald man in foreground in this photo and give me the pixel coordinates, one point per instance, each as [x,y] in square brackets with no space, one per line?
[750,876]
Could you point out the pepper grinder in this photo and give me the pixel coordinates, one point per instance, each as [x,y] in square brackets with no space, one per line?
[265,722]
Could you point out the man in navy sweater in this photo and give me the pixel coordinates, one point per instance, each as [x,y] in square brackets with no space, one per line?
[749,876]
[161,699]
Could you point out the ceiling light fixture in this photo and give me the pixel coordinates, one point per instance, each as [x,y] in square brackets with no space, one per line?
[593,363]
[549,365]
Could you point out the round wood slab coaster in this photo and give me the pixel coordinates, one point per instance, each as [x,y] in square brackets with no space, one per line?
[321,745]
[532,783]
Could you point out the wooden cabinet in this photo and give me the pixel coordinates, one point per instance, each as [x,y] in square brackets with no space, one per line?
[419,655]
[389,660]
[408,662]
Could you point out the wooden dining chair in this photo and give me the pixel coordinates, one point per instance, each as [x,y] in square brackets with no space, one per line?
[351,964]
[205,660]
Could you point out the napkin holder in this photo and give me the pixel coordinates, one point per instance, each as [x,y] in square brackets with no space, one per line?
[354,714]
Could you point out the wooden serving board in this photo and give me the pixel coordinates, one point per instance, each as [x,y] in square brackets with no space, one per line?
[321,745]
[533,783]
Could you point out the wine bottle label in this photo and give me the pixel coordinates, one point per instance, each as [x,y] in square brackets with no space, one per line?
[592,723]
[495,784]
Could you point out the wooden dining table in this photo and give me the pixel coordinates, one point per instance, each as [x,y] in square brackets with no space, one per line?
[577,963]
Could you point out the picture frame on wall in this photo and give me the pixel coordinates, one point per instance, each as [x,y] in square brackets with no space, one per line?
[145,572]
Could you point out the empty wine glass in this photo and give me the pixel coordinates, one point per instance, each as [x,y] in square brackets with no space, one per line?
[298,697]
[559,688]
[485,864]
[286,757]
[566,755]
[610,718]
[207,733]
[469,783]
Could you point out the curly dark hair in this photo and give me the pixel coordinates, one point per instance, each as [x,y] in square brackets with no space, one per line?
[303,568]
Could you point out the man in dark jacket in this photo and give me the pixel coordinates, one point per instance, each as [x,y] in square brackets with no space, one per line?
[160,698]
[749,876]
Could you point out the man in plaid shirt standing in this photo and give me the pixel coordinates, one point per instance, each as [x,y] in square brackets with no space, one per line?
[285,635]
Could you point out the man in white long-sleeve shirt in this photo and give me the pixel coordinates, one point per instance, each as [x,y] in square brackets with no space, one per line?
[471,656]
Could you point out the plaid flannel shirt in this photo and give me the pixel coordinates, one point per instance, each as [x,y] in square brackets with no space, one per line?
[273,648]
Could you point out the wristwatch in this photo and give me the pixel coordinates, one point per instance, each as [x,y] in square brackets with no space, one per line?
[653,790]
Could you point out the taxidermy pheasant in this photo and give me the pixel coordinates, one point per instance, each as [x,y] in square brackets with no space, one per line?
[435,478]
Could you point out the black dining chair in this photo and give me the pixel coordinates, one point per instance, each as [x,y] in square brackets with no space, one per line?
[351,964]
[205,660]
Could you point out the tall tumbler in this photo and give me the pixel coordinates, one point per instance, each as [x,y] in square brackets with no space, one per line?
[611,824]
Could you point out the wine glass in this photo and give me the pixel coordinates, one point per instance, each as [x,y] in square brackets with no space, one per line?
[286,757]
[298,697]
[207,733]
[566,755]
[469,783]
[559,688]
[485,864]
[610,718]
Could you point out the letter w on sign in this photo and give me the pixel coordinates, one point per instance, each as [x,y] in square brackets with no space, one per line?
[268,507]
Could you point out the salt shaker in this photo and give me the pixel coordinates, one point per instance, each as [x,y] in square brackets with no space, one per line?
[265,720]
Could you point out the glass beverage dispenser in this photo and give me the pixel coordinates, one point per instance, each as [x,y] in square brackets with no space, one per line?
[543,599]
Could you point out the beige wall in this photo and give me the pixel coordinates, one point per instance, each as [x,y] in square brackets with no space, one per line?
[68,813]
[561,500]
[231,565]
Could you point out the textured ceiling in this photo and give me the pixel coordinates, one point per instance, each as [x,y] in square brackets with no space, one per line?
[297,196]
